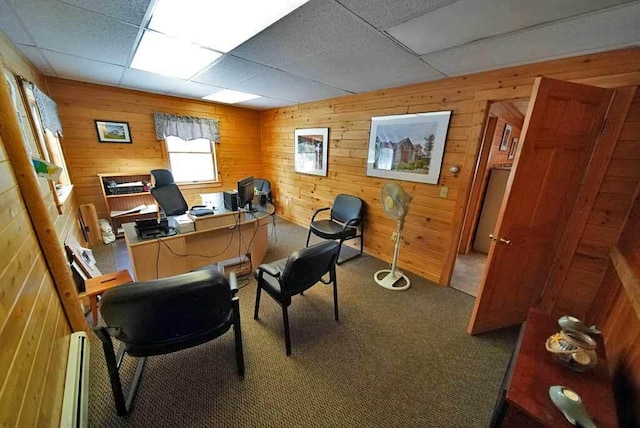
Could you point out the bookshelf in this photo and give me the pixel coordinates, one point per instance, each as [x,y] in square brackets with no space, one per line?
[124,196]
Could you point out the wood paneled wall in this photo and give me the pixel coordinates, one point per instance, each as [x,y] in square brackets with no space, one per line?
[506,114]
[578,289]
[616,311]
[34,331]
[433,225]
[79,104]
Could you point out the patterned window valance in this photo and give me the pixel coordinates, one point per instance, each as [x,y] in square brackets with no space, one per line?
[48,111]
[185,127]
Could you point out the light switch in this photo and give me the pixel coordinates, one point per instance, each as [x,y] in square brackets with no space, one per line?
[444,191]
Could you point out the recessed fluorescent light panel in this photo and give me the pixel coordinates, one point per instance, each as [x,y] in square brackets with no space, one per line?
[172,57]
[230,97]
[219,25]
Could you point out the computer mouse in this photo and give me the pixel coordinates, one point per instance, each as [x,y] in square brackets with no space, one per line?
[570,323]
[570,404]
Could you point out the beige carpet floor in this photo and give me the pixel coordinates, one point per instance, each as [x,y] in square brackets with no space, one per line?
[395,359]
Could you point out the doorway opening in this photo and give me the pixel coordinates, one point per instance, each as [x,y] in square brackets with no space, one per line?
[495,160]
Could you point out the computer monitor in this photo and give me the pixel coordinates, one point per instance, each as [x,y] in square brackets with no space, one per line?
[245,193]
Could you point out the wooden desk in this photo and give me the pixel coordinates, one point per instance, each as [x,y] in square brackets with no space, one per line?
[98,285]
[240,234]
[533,370]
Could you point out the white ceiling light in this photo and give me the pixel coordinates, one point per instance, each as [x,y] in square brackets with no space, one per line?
[230,97]
[220,25]
[168,56]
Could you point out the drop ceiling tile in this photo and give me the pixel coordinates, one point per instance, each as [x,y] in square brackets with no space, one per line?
[36,58]
[131,11]
[599,31]
[83,69]
[312,91]
[11,26]
[194,90]
[468,20]
[71,30]
[315,27]
[281,85]
[230,70]
[383,14]
[146,81]
[370,64]
[264,103]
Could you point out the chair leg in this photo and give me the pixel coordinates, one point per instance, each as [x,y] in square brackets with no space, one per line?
[287,338]
[335,297]
[112,368]
[339,262]
[257,307]
[237,331]
[308,237]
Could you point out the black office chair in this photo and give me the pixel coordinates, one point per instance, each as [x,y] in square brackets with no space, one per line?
[303,269]
[345,222]
[263,187]
[163,316]
[169,197]
[167,193]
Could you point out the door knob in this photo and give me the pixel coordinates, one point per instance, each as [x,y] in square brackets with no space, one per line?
[505,241]
[493,238]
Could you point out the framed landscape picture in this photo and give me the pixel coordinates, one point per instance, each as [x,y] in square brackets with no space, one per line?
[113,132]
[512,149]
[311,151]
[408,147]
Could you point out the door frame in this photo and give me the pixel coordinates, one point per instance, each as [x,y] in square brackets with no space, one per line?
[483,101]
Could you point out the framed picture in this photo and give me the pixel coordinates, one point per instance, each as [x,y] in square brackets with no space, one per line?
[512,149]
[506,137]
[113,132]
[311,151]
[408,147]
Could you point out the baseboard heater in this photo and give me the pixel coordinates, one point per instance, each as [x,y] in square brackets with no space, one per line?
[75,405]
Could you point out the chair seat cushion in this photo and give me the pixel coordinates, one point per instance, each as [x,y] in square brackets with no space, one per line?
[271,284]
[329,229]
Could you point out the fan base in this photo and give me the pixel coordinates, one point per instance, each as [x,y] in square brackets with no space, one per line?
[389,281]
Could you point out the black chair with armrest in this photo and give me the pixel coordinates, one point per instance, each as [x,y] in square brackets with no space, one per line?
[344,223]
[263,186]
[169,196]
[303,269]
[166,315]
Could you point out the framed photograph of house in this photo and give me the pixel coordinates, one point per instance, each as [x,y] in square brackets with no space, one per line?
[408,147]
[311,151]
[506,137]
[113,132]
[512,149]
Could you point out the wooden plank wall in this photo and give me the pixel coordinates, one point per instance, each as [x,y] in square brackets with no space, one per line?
[433,225]
[616,311]
[505,113]
[79,104]
[610,209]
[33,329]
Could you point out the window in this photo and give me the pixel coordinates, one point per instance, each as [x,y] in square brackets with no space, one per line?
[192,161]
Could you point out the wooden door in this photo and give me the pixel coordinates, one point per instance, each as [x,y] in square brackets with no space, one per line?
[560,130]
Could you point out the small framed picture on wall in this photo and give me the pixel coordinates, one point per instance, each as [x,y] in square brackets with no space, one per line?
[506,137]
[513,148]
[113,132]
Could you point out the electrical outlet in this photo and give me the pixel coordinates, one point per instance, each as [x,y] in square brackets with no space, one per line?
[394,236]
[444,191]
[286,200]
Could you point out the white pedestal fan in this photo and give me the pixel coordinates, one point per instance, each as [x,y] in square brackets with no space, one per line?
[395,202]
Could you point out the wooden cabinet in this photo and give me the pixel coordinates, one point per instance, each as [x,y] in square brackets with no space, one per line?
[524,396]
[127,198]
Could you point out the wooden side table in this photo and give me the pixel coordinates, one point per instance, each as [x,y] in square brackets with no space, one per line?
[98,285]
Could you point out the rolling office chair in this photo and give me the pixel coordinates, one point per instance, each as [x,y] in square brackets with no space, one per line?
[303,269]
[345,222]
[166,315]
[263,186]
[169,196]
